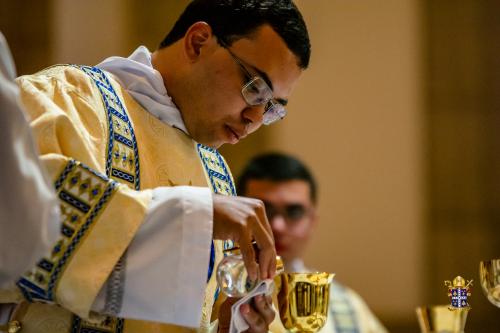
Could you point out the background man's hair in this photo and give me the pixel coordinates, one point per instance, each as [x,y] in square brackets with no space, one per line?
[234,19]
[276,167]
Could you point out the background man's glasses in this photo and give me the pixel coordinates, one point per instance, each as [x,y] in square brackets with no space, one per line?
[257,92]
[291,213]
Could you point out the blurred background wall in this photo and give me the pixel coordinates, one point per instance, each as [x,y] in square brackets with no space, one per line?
[398,117]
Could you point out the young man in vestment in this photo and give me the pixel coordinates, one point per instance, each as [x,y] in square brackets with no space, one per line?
[147,202]
[288,190]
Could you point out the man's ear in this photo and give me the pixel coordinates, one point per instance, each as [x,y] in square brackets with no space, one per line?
[198,37]
[314,217]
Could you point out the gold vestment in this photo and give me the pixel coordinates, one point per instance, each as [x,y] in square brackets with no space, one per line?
[104,153]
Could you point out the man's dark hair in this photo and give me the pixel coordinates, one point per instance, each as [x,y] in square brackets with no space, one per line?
[276,167]
[234,19]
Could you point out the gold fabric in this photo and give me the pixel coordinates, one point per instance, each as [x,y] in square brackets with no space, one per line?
[69,122]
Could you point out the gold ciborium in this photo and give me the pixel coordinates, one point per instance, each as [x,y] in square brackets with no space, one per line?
[489,274]
[303,301]
[440,319]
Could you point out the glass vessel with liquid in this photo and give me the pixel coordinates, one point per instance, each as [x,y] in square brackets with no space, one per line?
[489,275]
[232,276]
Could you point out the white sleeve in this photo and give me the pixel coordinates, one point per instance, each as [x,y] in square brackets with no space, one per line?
[29,215]
[167,262]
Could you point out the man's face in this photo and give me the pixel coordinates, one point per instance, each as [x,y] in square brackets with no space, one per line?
[217,112]
[290,211]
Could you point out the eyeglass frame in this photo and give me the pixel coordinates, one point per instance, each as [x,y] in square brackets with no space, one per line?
[273,211]
[251,78]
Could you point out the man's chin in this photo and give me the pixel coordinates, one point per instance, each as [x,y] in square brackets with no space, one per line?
[286,256]
[211,144]
[219,144]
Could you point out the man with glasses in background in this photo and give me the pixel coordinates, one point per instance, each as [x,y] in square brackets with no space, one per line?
[147,202]
[288,190]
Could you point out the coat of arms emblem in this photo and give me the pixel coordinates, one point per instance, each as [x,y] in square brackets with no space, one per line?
[458,291]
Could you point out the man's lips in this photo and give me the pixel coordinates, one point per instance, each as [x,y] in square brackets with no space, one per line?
[280,247]
[235,135]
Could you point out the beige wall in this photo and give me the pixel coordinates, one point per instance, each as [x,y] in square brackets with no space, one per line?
[356,118]
[84,35]
[464,147]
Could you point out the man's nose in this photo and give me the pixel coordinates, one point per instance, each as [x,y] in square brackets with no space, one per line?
[253,116]
[278,223]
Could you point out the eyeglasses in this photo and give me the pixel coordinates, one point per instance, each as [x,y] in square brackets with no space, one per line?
[291,213]
[257,92]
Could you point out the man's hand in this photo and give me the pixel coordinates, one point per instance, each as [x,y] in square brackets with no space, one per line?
[244,220]
[259,314]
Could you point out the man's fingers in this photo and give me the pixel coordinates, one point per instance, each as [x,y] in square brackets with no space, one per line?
[263,306]
[248,254]
[261,213]
[267,252]
[265,240]
[243,220]
[267,261]
[265,243]
[253,319]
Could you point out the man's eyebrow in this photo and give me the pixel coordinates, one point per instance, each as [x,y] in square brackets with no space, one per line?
[265,77]
[282,101]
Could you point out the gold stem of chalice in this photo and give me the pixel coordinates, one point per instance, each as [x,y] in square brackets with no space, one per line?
[440,319]
[489,274]
[303,301]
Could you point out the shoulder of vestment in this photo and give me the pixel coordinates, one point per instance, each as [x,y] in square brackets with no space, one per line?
[64,77]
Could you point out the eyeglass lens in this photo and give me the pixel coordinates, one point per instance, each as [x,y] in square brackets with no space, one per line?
[292,212]
[257,92]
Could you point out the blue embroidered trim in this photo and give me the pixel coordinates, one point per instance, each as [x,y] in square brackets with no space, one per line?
[122,164]
[212,262]
[74,201]
[69,167]
[214,164]
[122,175]
[40,284]
[221,183]
[45,265]
[115,109]
[109,325]
[124,140]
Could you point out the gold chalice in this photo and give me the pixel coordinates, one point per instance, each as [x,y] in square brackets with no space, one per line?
[489,274]
[303,301]
[440,319]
